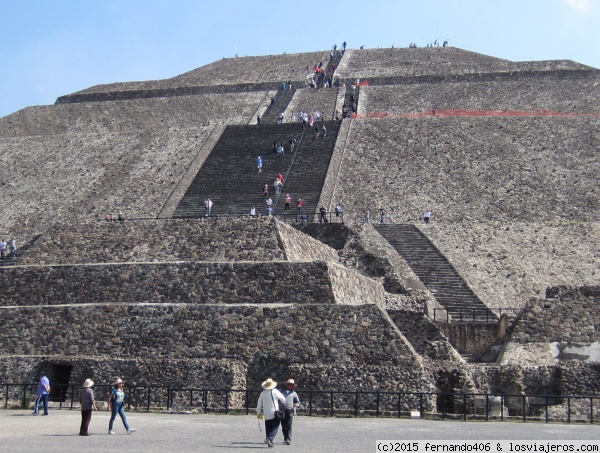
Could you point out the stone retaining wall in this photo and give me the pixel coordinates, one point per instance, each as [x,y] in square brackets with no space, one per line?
[183,282]
[235,239]
[197,373]
[568,315]
[299,246]
[316,333]
[425,336]
[567,96]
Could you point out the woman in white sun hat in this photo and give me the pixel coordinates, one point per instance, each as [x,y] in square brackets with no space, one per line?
[267,408]
[116,402]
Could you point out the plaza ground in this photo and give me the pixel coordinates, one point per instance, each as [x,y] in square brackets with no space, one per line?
[22,432]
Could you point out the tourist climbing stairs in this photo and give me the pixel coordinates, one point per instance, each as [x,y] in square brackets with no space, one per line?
[229,176]
[230,179]
[21,250]
[307,173]
[437,273]
[278,105]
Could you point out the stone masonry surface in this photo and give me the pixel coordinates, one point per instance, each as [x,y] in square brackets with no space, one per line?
[569,96]
[195,283]
[234,239]
[269,68]
[311,333]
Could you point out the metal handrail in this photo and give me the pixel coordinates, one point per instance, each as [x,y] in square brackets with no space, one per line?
[473,314]
[432,405]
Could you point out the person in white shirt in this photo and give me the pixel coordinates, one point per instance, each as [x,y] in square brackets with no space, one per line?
[266,408]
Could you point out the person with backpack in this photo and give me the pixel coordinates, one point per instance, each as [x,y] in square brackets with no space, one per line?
[267,409]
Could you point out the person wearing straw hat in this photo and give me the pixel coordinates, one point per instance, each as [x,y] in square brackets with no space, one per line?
[268,404]
[88,403]
[116,402]
[289,408]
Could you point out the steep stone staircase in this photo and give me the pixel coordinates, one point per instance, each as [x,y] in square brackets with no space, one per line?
[280,102]
[436,272]
[306,175]
[12,261]
[230,179]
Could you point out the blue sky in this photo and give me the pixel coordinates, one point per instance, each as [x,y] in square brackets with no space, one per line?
[49,48]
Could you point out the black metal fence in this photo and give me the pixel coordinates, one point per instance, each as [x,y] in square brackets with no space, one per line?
[440,406]
[476,315]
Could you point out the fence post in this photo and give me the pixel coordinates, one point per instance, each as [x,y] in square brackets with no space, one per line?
[24,395]
[247,399]
[6,398]
[377,407]
[465,407]
[310,403]
[568,409]
[524,417]
[148,406]
[592,410]
[501,407]
[226,402]
[421,405]
[331,404]
[72,395]
[399,403]
[546,407]
[205,401]
[355,404]
[487,407]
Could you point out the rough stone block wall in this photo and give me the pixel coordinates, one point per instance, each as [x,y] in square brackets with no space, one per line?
[328,335]
[236,239]
[299,246]
[425,336]
[470,338]
[125,117]
[168,283]
[259,69]
[508,263]
[352,288]
[571,316]
[568,96]
[197,373]
[486,169]
[438,61]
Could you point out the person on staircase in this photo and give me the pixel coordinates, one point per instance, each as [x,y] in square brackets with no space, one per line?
[208,204]
[13,247]
[288,200]
[3,249]
[427,216]
[259,164]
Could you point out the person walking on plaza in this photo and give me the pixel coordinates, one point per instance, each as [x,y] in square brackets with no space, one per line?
[88,403]
[268,407]
[289,408]
[116,403]
[43,391]
[3,249]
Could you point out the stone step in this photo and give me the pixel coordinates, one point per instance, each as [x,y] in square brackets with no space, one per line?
[230,179]
[436,272]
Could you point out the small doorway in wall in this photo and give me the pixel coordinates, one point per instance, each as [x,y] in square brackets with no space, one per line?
[59,383]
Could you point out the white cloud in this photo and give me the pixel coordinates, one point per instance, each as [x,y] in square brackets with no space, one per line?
[581,5]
